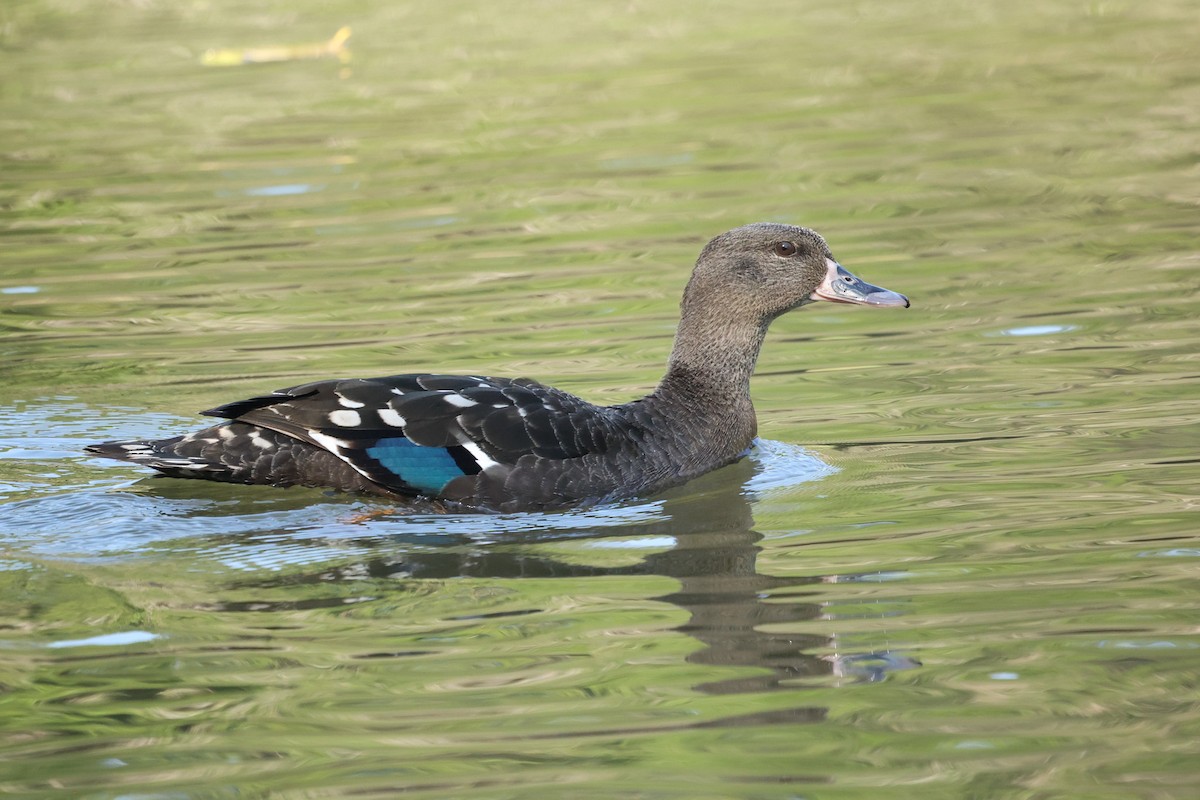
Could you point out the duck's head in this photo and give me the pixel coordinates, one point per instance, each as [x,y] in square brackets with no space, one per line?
[765,269]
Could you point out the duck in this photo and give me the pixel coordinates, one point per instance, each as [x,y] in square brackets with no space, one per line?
[469,442]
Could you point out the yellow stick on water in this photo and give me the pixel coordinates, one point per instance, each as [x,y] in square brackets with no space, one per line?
[335,47]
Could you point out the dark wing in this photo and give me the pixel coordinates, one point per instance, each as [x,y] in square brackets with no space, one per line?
[417,433]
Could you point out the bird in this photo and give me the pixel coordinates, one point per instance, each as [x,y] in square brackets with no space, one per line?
[476,443]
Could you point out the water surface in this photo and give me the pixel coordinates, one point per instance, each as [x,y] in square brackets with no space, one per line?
[961,562]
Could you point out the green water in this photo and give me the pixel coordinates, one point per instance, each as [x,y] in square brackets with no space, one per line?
[962,563]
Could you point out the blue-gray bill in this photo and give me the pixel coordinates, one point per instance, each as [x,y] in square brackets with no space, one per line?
[841,286]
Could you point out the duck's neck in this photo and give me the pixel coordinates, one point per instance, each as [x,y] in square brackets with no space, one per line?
[708,375]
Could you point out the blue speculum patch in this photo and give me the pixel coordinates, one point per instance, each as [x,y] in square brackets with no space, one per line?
[425,468]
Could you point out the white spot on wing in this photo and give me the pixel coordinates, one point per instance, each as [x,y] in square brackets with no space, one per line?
[257,440]
[481,458]
[458,401]
[225,433]
[345,418]
[348,403]
[392,417]
[180,463]
[330,443]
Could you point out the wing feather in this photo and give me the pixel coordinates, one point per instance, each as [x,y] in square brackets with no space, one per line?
[485,423]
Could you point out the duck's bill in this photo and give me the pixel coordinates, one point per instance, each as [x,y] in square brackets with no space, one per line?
[841,286]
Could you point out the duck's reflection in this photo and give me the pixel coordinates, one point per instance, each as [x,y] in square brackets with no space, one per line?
[714,559]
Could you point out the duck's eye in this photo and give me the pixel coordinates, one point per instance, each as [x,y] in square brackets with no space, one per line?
[785,249]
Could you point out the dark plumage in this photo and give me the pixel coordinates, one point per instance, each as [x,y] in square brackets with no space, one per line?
[505,444]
